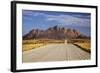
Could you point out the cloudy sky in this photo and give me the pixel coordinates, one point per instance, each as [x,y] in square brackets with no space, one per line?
[44,19]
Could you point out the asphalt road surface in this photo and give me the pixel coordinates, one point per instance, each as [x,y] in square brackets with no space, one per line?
[55,52]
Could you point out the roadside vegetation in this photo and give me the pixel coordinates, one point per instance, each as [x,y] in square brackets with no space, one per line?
[84,44]
[32,44]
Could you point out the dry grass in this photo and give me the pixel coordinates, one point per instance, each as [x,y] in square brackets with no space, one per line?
[85,44]
[32,44]
[27,47]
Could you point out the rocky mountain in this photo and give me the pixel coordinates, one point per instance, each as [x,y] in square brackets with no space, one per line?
[55,32]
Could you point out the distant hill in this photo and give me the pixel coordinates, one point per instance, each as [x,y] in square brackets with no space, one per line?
[55,32]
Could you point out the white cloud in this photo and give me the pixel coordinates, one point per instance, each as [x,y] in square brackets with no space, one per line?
[27,12]
[38,13]
[32,13]
[69,20]
[62,19]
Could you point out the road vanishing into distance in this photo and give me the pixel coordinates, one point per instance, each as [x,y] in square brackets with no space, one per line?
[55,52]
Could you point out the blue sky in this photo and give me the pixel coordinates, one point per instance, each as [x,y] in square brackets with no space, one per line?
[32,19]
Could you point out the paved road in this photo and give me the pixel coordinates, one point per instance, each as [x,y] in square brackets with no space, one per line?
[55,52]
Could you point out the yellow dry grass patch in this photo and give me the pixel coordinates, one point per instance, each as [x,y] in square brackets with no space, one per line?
[30,46]
[85,46]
